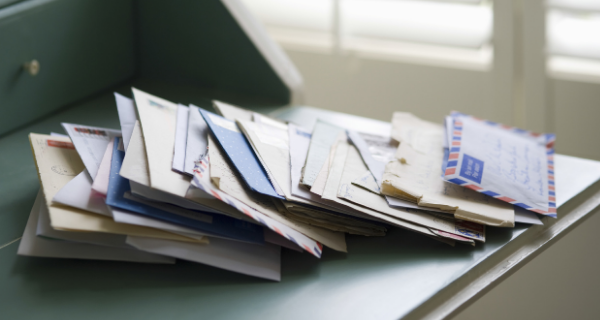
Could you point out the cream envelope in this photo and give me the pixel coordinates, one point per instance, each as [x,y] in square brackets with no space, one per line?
[34,246]
[58,163]
[158,120]
[416,176]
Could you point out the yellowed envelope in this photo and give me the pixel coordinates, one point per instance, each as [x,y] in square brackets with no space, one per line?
[416,176]
[58,163]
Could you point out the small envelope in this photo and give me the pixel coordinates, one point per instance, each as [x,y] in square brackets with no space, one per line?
[507,163]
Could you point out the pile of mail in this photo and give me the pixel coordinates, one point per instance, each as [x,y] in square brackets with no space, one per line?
[230,189]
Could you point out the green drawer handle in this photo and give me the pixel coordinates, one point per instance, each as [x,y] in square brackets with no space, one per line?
[32,67]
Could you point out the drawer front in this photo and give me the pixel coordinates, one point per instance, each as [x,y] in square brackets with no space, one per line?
[82,47]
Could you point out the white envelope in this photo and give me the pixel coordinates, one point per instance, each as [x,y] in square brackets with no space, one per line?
[90,143]
[100,184]
[78,193]
[263,261]
[34,246]
[127,117]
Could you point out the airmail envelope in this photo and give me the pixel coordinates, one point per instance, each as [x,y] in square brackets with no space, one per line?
[509,164]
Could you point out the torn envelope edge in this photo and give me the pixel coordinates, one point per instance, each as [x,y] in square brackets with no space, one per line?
[304,242]
[450,169]
[437,221]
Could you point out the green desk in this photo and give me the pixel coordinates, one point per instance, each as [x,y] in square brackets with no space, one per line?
[401,275]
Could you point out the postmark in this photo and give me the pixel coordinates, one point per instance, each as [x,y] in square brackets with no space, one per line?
[63,171]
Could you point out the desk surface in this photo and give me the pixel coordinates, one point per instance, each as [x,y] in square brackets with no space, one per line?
[402,274]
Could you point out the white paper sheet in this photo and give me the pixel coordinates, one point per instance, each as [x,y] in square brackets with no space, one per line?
[180,138]
[127,117]
[34,246]
[263,261]
[90,143]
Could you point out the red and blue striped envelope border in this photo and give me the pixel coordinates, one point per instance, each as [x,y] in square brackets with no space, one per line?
[304,242]
[455,152]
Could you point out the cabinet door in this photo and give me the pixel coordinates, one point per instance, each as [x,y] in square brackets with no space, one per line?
[82,47]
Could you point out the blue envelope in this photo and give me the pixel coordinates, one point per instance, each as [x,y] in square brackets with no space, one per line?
[205,222]
[240,153]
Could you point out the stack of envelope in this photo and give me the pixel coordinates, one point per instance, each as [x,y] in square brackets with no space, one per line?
[231,189]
